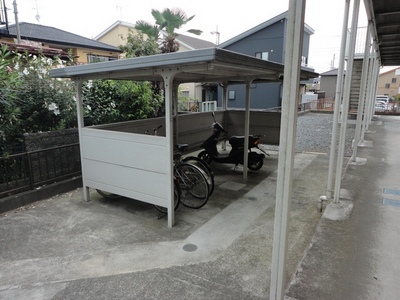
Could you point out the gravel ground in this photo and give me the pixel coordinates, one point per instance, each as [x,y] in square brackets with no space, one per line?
[314,132]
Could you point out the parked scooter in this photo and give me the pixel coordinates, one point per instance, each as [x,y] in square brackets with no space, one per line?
[235,156]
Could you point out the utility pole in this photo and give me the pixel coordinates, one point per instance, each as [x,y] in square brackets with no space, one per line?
[216,32]
[333,62]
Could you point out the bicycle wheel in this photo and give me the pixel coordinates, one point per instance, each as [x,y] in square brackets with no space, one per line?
[193,183]
[108,195]
[177,199]
[205,167]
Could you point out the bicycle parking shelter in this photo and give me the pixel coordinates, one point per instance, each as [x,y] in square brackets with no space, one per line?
[140,166]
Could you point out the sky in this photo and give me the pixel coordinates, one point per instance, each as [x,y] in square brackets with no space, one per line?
[89,18]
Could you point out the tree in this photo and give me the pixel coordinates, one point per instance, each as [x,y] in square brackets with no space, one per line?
[110,101]
[136,45]
[30,100]
[169,20]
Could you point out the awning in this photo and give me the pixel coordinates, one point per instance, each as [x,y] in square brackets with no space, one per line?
[204,65]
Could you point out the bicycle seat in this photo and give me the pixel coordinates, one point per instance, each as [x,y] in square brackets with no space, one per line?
[182,147]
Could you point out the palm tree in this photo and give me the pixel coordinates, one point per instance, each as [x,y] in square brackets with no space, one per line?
[168,20]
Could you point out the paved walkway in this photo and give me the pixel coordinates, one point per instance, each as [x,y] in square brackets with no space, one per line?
[359,257]
[65,248]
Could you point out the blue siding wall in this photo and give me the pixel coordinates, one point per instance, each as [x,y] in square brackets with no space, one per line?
[262,95]
[271,40]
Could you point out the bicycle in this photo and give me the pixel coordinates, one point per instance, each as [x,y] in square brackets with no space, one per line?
[178,158]
[193,180]
[193,183]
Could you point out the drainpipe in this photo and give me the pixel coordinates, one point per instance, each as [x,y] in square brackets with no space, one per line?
[338,100]
[346,100]
[16,22]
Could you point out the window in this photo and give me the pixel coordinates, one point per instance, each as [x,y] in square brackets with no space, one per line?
[231,95]
[304,61]
[98,58]
[394,80]
[185,94]
[262,55]
[387,85]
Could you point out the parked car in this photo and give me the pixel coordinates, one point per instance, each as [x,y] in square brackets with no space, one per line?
[381,106]
[383,98]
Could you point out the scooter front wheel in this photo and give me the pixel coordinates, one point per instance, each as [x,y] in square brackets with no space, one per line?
[256,161]
[205,156]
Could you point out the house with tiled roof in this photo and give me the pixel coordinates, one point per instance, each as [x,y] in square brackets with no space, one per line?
[389,82]
[117,33]
[51,41]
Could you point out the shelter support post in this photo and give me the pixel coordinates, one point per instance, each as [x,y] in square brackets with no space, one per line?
[81,124]
[175,109]
[294,38]
[246,130]
[346,100]
[374,85]
[224,107]
[361,112]
[168,77]
[369,107]
[338,102]
[225,96]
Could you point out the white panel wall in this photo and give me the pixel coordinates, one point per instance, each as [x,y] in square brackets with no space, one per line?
[131,165]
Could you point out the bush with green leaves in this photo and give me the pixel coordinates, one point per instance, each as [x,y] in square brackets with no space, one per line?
[31,101]
[110,101]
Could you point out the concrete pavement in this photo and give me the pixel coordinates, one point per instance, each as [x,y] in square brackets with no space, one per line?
[66,248]
[358,257]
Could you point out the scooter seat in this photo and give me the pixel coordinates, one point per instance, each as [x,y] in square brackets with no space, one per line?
[237,140]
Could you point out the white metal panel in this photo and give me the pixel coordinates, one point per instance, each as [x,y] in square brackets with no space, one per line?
[126,149]
[129,182]
[127,164]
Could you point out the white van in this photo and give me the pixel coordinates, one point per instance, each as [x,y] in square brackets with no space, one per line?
[383,98]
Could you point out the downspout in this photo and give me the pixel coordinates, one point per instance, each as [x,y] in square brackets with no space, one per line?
[16,22]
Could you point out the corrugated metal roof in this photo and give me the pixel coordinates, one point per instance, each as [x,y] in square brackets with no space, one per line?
[51,35]
[193,42]
[204,65]
[385,16]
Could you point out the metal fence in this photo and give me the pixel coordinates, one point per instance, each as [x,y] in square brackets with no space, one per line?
[29,170]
